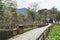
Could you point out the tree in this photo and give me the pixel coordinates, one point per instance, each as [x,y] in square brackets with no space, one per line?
[34,6]
[10,7]
[1,10]
[14,18]
[32,12]
[1,14]
[41,13]
[21,18]
[54,13]
[30,15]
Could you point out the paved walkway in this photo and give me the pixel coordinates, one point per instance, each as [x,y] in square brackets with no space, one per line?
[31,35]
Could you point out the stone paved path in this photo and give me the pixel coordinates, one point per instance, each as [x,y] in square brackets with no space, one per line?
[30,35]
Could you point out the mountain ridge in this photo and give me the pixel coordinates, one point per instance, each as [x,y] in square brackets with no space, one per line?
[22,10]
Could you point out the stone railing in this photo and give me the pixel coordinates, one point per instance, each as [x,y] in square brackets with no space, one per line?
[45,33]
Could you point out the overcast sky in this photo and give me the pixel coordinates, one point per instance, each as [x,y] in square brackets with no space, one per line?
[42,3]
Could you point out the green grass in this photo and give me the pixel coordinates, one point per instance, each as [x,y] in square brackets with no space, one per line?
[27,29]
[54,33]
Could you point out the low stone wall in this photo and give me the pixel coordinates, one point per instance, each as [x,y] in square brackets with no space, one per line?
[5,35]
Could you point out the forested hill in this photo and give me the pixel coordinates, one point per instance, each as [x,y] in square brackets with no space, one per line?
[22,10]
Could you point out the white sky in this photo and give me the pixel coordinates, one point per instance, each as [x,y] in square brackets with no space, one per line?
[42,3]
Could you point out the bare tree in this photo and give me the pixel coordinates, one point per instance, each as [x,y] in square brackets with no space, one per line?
[34,6]
[33,13]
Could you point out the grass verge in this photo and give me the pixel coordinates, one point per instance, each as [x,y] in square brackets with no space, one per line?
[54,33]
